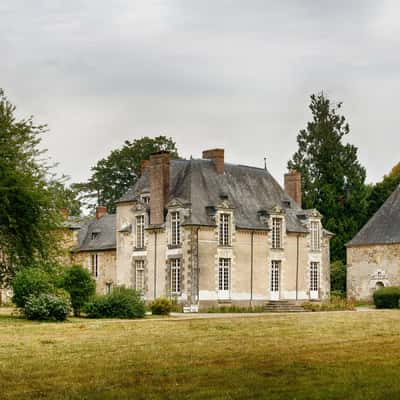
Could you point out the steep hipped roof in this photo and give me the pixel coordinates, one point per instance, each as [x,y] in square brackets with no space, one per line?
[384,226]
[247,189]
[97,234]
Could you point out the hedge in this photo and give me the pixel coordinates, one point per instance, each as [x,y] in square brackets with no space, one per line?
[387,297]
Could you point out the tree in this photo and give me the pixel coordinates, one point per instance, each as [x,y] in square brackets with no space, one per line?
[382,190]
[29,213]
[68,196]
[80,285]
[114,175]
[333,180]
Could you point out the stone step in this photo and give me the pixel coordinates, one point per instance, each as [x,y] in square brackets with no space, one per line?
[282,306]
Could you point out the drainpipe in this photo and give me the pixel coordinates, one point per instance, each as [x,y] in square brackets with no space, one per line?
[297,268]
[198,266]
[251,268]
[155,264]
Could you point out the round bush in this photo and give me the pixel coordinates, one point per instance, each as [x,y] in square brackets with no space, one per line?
[387,297]
[161,306]
[47,307]
[80,285]
[121,303]
[30,282]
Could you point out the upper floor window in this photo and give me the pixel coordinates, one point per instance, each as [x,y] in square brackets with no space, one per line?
[94,265]
[140,232]
[175,264]
[315,235]
[146,199]
[175,229]
[139,275]
[276,233]
[224,230]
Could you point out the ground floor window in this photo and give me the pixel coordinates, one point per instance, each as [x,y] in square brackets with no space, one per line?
[314,277]
[139,275]
[175,265]
[275,274]
[108,288]
[224,274]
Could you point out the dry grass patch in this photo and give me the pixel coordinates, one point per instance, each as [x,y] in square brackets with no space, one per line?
[345,355]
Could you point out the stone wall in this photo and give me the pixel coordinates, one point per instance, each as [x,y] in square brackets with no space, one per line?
[369,267]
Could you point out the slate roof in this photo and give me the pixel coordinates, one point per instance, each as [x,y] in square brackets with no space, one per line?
[384,226]
[247,189]
[105,234]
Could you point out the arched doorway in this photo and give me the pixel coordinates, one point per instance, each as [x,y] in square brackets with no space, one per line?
[379,285]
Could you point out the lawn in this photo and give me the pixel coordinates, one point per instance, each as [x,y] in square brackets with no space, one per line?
[336,355]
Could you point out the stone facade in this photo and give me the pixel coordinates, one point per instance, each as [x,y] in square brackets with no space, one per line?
[371,267]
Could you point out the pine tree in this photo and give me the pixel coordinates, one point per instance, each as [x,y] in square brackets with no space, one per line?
[333,180]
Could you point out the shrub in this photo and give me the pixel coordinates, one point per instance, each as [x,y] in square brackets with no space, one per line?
[235,309]
[80,285]
[335,304]
[30,282]
[161,306]
[121,303]
[45,307]
[338,277]
[387,297]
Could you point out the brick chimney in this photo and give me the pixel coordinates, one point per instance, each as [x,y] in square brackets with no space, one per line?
[143,165]
[100,211]
[218,158]
[293,185]
[159,186]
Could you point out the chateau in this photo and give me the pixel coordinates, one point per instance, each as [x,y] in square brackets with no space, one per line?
[374,253]
[205,232]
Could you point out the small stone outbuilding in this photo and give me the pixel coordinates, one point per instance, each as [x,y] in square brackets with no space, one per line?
[373,256]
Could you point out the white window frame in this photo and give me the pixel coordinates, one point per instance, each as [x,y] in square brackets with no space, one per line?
[176,276]
[94,264]
[109,287]
[140,224]
[224,229]
[224,278]
[275,279]
[315,232]
[139,275]
[175,228]
[277,237]
[314,280]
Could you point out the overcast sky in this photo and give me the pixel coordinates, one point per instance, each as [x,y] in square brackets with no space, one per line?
[210,73]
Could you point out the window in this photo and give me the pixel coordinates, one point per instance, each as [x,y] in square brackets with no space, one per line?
[146,199]
[275,274]
[314,281]
[108,288]
[175,264]
[139,275]
[94,265]
[223,274]
[224,230]
[315,235]
[276,233]
[175,229]
[140,232]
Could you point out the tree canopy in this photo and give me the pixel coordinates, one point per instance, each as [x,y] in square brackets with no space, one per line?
[29,212]
[114,175]
[333,180]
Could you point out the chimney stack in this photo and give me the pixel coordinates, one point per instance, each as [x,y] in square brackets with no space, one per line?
[100,211]
[218,158]
[159,185]
[293,185]
[143,165]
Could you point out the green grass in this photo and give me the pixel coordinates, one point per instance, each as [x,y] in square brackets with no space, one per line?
[336,355]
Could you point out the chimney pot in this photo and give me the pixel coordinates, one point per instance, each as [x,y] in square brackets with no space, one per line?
[143,165]
[293,185]
[217,156]
[100,211]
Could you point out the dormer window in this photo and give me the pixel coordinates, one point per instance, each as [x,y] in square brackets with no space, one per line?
[224,230]
[276,233]
[175,228]
[315,235]
[146,199]
[140,232]
[95,235]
